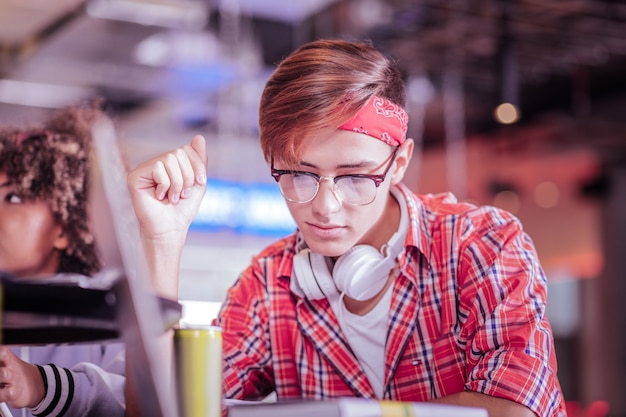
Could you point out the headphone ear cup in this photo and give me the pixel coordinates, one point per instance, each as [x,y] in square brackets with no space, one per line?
[361,272]
[312,275]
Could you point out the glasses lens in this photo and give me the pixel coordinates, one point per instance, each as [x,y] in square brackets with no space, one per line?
[298,188]
[356,190]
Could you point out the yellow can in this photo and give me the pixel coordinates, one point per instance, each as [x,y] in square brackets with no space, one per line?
[198,361]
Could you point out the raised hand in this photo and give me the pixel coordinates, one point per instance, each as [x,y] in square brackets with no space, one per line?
[167,190]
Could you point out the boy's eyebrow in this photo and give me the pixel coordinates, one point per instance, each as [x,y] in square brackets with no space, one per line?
[5,184]
[361,164]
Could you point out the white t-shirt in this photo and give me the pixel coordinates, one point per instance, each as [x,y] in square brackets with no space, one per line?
[367,335]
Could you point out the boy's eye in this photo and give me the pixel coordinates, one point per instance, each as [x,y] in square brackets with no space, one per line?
[13,198]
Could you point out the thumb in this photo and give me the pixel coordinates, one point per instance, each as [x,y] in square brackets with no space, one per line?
[198,144]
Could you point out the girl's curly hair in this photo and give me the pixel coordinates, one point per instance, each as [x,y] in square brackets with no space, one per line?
[51,164]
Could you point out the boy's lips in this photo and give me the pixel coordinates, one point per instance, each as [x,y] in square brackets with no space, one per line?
[325,231]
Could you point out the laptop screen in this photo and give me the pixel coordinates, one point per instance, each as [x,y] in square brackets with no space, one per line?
[117,232]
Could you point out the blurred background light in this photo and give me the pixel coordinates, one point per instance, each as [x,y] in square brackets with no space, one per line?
[507,113]
[508,200]
[546,194]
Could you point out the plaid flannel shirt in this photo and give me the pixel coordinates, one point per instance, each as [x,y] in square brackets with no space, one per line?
[467,314]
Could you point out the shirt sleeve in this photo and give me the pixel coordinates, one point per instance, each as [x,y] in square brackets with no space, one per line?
[86,389]
[246,341]
[503,292]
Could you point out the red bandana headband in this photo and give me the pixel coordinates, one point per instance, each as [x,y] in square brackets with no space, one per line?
[380,119]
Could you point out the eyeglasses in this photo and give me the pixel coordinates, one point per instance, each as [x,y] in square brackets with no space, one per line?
[354,189]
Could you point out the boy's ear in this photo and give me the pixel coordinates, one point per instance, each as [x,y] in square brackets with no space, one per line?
[403,158]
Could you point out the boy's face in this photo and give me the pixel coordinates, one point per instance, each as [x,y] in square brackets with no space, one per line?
[30,238]
[330,226]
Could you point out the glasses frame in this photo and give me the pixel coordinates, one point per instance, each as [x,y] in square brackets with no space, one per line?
[377,178]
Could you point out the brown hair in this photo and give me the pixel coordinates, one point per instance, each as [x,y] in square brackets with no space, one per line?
[51,164]
[321,85]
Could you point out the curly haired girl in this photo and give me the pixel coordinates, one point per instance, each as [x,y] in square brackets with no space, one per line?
[45,230]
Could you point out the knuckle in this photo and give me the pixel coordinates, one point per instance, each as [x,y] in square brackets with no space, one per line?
[170,157]
[180,152]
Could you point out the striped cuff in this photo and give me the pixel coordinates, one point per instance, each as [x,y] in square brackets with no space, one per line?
[59,385]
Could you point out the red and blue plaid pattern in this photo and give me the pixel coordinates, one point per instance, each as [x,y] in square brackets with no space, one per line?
[467,314]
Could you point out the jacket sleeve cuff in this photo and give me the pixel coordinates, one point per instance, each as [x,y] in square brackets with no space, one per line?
[59,385]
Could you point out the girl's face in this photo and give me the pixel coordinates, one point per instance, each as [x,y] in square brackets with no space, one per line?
[330,226]
[31,241]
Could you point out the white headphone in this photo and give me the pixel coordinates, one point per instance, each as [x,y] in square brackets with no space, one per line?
[360,273]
